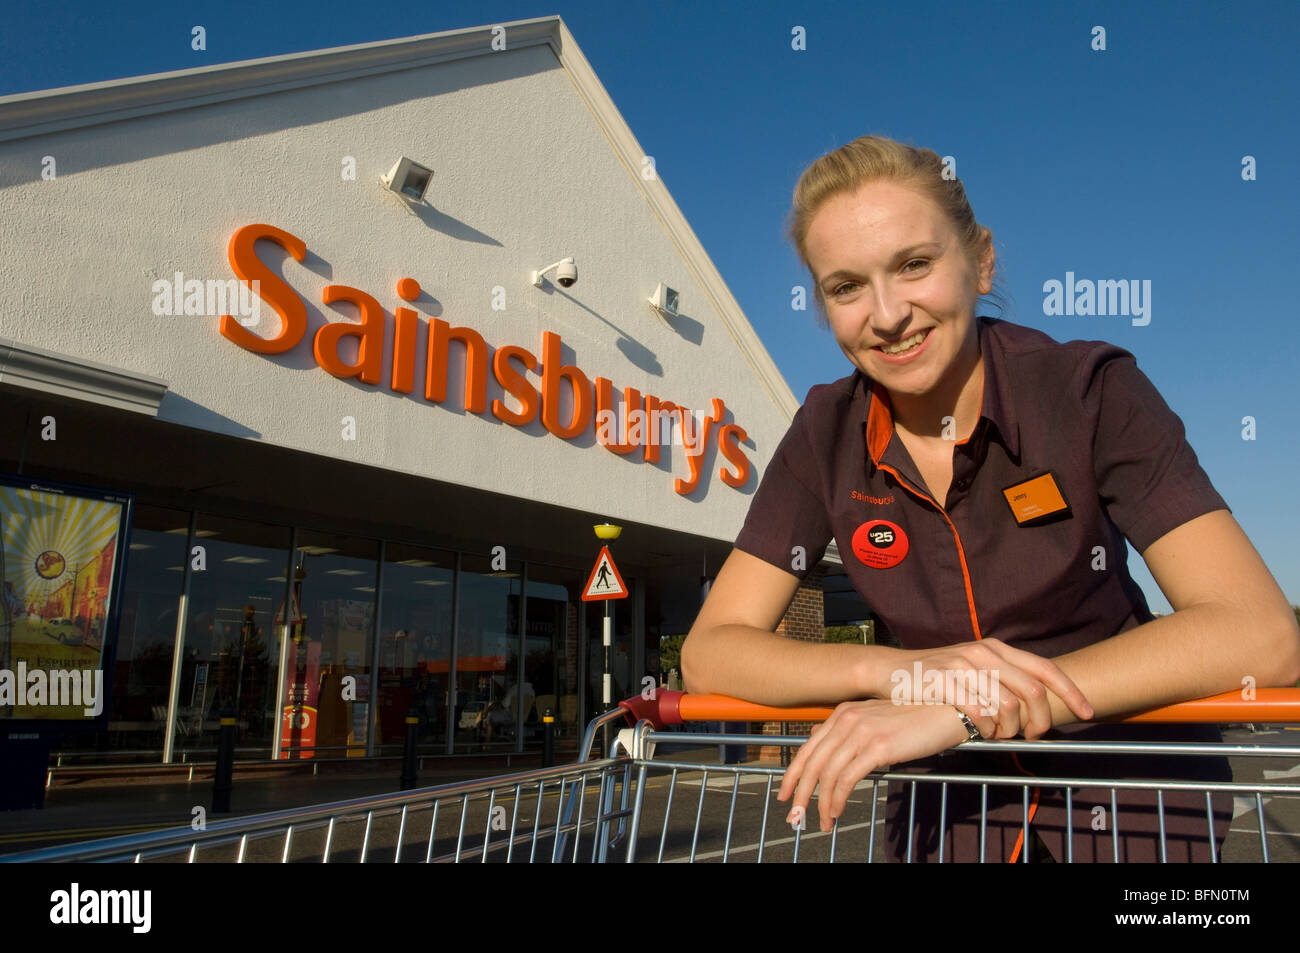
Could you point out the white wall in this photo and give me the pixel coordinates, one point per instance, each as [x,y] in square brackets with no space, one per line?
[523,176]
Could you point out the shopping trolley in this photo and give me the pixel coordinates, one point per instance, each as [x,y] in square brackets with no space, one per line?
[655,794]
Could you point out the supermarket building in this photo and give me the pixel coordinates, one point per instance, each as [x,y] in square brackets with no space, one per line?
[404,414]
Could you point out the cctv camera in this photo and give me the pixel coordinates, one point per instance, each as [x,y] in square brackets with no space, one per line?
[567,273]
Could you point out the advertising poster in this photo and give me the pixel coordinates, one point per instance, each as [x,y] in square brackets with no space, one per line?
[301,697]
[61,556]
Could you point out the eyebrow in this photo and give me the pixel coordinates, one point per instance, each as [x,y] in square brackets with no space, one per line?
[902,253]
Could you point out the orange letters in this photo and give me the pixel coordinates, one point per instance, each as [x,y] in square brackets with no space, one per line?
[639,427]
[249,268]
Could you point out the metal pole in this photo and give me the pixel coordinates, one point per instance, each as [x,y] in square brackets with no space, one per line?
[548,739]
[519,662]
[455,653]
[277,698]
[372,678]
[178,648]
[223,776]
[408,779]
[605,690]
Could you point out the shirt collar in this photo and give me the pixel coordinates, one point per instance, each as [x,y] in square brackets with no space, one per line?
[871,400]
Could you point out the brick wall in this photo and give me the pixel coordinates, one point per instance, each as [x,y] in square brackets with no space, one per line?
[804,619]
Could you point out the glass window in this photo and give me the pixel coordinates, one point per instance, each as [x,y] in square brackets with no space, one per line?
[415,642]
[551,650]
[487,690]
[328,665]
[146,634]
[231,646]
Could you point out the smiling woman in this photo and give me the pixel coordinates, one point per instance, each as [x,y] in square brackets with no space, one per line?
[982,482]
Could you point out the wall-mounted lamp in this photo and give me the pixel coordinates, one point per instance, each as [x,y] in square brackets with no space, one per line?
[408,179]
[566,273]
[664,301]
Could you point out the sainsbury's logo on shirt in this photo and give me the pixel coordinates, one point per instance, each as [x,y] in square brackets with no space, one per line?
[866,498]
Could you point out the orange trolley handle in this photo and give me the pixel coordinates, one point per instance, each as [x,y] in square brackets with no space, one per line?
[1270,705]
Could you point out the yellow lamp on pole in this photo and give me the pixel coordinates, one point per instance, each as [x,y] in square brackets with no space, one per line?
[607,531]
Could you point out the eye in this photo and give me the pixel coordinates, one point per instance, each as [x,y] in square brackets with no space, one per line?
[916,261]
[840,288]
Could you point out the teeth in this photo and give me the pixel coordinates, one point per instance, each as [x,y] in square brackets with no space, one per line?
[904,345]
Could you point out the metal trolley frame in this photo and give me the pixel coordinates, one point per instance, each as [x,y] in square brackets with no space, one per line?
[628,804]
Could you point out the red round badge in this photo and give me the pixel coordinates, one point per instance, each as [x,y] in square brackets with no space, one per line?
[880,544]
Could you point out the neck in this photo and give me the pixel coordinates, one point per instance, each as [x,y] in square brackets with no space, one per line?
[958,395]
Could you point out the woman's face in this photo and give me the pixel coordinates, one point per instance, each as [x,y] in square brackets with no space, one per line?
[890,266]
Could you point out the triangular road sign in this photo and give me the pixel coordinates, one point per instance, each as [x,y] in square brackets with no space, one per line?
[605,582]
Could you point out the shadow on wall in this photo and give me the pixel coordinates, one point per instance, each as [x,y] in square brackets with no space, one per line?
[180,410]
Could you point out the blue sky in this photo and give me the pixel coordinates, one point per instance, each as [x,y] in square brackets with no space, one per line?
[1117,164]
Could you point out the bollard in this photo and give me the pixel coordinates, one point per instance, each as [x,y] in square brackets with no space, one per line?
[223,778]
[548,739]
[408,753]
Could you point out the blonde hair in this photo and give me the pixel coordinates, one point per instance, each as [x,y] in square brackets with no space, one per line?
[870,159]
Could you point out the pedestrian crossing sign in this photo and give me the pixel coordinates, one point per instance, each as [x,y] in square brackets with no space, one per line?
[605,582]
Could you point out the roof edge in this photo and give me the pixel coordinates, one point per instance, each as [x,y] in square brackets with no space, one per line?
[24,115]
[679,230]
[42,111]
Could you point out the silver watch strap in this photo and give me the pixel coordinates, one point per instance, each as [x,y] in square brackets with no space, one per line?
[971,730]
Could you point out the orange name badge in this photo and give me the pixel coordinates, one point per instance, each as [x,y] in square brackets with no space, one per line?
[1037,499]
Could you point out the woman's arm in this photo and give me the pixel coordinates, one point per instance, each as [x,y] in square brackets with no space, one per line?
[1230,621]
[733,649]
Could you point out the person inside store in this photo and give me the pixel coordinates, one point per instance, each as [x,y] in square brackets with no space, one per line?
[982,481]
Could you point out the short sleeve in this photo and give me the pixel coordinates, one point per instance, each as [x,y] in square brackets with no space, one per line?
[1148,477]
[787,509]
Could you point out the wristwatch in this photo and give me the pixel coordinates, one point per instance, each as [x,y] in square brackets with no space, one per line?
[970,727]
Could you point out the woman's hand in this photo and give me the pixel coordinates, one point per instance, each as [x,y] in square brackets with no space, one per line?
[1006,683]
[860,737]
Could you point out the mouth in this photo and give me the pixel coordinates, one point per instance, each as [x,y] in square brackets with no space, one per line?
[908,346]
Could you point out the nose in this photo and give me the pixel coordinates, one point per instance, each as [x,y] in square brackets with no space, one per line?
[891,311]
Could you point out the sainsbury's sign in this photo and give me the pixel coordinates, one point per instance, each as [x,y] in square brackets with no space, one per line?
[644,418]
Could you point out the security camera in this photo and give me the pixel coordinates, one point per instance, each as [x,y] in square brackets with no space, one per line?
[566,273]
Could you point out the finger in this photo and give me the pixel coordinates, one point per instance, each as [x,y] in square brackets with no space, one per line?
[1050,674]
[1015,698]
[866,761]
[829,778]
[978,671]
[799,762]
[828,740]
[1034,711]
[987,725]
[1006,714]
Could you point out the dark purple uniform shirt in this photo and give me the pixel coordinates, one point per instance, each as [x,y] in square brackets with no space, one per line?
[1081,411]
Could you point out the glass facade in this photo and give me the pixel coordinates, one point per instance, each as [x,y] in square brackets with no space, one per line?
[321,645]
[415,642]
[231,652]
[487,688]
[551,650]
[151,589]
